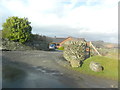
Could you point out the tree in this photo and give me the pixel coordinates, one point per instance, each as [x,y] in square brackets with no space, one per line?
[17,29]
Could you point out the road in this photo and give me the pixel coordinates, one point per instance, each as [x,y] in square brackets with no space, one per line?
[47,69]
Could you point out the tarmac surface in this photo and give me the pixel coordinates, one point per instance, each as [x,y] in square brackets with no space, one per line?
[47,69]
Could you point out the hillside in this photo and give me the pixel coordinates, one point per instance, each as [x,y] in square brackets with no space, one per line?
[102,44]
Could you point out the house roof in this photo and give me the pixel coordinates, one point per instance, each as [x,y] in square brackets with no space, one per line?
[58,40]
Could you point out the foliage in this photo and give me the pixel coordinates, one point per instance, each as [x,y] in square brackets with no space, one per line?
[39,42]
[17,29]
[37,37]
[61,48]
[110,67]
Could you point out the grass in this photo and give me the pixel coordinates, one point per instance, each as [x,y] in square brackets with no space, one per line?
[110,67]
[113,53]
[61,48]
[118,70]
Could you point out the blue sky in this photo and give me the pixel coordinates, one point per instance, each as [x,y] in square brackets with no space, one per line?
[90,19]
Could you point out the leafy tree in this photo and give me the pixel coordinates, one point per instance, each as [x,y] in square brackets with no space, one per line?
[17,29]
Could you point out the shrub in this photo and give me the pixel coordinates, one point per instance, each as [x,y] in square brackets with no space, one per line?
[17,29]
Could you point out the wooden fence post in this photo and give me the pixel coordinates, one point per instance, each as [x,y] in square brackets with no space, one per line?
[95,49]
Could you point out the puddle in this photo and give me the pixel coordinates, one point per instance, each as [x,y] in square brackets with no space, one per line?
[47,70]
[25,77]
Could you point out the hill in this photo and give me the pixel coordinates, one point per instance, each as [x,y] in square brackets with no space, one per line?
[102,44]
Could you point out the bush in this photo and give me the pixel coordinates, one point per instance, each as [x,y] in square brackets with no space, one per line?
[17,29]
[39,42]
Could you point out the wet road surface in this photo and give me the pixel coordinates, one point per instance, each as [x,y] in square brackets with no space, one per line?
[42,69]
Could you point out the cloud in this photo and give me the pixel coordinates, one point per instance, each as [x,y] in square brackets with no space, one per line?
[81,18]
[67,31]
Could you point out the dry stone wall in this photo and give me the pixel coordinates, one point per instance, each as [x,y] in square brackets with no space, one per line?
[74,52]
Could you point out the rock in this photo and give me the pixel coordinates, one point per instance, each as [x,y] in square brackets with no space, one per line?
[11,45]
[74,52]
[75,63]
[112,86]
[96,67]
[34,44]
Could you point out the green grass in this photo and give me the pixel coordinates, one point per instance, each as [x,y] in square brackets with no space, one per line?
[118,70]
[61,48]
[111,53]
[110,67]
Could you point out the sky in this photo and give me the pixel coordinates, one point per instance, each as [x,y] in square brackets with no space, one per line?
[89,19]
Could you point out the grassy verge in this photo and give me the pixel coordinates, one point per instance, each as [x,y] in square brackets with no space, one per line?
[110,67]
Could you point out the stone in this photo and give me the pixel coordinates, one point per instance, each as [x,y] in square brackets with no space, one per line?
[75,63]
[74,52]
[113,86]
[96,67]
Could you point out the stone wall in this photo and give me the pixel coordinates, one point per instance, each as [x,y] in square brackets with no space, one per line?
[34,44]
[74,52]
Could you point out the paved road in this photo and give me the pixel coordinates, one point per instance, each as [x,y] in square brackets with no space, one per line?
[45,69]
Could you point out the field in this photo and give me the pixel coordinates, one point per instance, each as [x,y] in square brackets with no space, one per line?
[110,53]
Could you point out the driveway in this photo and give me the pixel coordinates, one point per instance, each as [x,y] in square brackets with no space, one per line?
[47,69]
